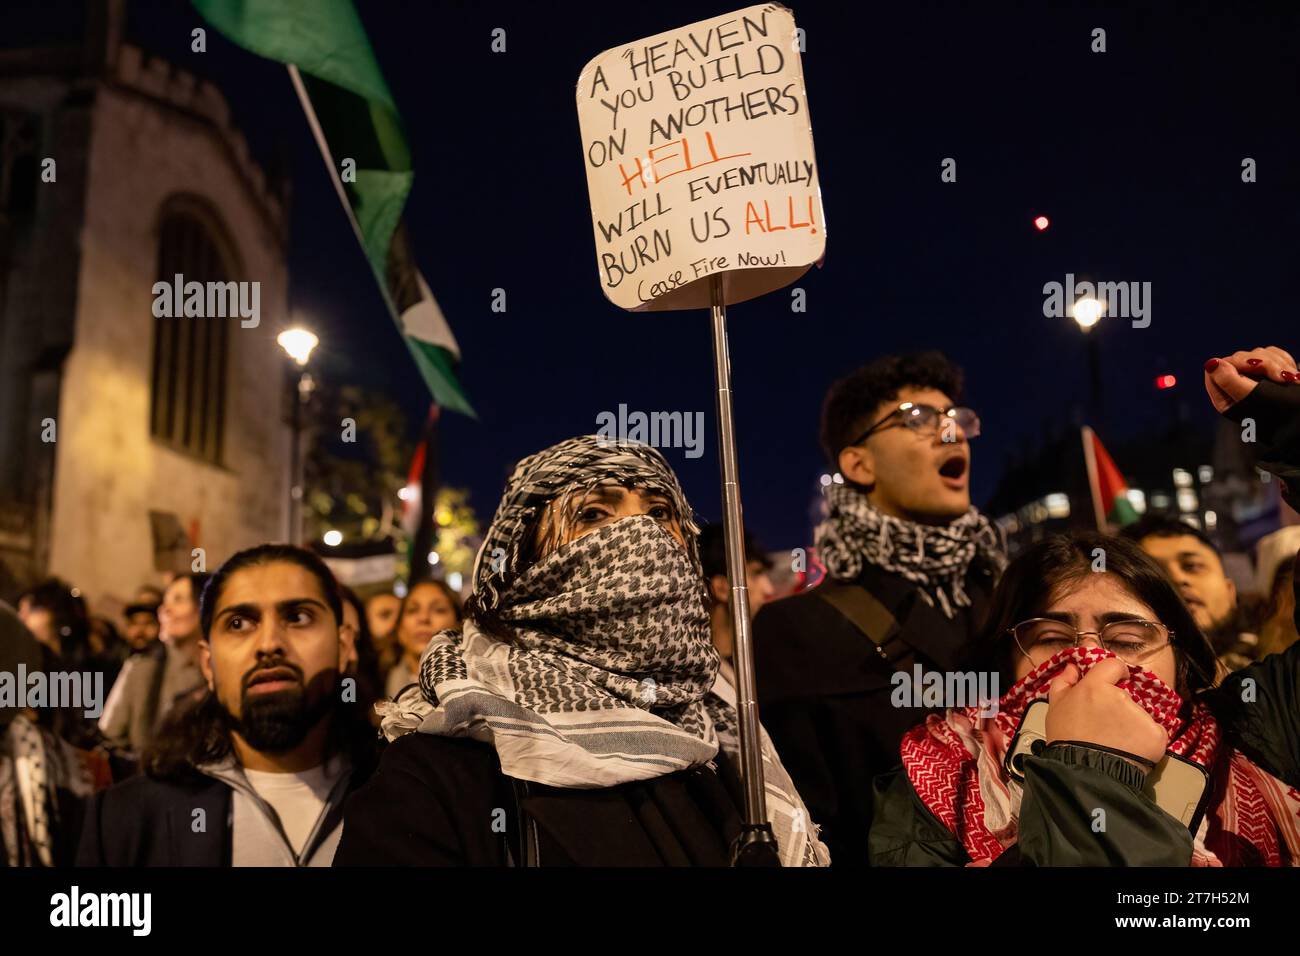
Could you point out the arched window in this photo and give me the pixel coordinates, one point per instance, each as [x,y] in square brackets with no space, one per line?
[188,407]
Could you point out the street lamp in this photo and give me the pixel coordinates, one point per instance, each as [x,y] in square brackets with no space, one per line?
[1087,312]
[298,344]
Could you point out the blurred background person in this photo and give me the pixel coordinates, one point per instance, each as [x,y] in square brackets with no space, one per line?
[1278,630]
[713,558]
[148,594]
[1195,566]
[1275,576]
[382,612]
[429,607]
[106,649]
[154,682]
[140,626]
[361,663]
[43,778]
[55,613]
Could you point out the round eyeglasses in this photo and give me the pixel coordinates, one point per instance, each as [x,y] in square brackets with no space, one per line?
[1133,641]
[926,420]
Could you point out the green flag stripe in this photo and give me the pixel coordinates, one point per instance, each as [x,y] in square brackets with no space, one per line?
[323,38]
[358,119]
[435,364]
[1122,512]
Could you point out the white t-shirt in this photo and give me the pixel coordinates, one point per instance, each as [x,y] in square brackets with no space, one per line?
[298,798]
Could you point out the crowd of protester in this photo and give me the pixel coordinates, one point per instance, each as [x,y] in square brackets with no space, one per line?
[580,706]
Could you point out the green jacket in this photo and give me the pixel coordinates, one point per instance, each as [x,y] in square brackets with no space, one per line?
[1066,785]
[1258,708]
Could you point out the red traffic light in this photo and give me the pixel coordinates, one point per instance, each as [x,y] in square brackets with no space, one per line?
[1165,381]
[1041,223]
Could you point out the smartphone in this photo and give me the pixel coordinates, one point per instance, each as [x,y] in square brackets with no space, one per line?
[1176,785]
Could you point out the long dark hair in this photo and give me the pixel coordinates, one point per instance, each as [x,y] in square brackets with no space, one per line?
[1037,576]
[68,618]
[197,731]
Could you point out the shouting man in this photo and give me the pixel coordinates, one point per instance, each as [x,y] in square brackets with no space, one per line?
[910,565]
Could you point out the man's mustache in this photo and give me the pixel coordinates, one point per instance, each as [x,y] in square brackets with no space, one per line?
[276,670]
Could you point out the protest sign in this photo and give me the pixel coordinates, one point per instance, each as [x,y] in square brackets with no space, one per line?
[699,157]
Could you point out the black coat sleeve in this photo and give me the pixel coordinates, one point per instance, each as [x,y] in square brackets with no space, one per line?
[1274,412]
[433,801]
[90,849]
[797,724]
[1259,706]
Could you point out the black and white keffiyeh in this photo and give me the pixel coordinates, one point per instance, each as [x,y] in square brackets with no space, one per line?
[936,557]
[610,674]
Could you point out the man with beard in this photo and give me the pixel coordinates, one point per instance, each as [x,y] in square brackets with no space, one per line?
[1195,566]
[910,566]
[255,772]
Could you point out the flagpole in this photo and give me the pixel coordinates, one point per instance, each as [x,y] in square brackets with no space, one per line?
[1094,485]
[756,845]
[423,540]
[310,112]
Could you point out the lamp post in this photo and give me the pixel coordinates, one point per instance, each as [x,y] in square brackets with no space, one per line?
[1087,312]
[298,344]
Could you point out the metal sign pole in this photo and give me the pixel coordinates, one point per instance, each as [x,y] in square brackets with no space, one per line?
[756,846]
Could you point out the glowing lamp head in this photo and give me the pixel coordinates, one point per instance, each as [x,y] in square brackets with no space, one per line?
[1088,312]
[298,343]
[333,538]
[1165,381]
[1041,223]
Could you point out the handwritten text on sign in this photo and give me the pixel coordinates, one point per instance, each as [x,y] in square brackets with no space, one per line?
[699,157]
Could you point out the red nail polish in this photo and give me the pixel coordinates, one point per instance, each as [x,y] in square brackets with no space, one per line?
[1290,377]
[1211,365]
[1254,361]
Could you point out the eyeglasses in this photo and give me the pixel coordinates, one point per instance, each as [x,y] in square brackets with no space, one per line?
[1133,642]
[926,420]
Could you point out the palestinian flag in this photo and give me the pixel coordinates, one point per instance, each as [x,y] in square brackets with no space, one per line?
[353,117]
[1109,490]
[416,511]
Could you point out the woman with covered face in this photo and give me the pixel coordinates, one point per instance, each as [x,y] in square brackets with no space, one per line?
[572,719]
[1136,761]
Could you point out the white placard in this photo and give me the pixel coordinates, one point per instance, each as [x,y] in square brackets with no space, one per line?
[699,159]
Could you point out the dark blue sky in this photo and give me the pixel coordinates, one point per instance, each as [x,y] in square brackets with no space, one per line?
[1134,154]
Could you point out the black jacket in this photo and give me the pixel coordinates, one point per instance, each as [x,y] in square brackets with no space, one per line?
[824,692]
[147,821]
[443,801]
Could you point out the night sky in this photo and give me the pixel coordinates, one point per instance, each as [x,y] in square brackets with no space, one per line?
[1134,154]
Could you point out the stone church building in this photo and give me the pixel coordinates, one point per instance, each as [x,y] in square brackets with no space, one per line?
[126,440]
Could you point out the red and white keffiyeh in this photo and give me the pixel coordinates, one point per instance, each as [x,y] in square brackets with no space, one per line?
[956,765]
